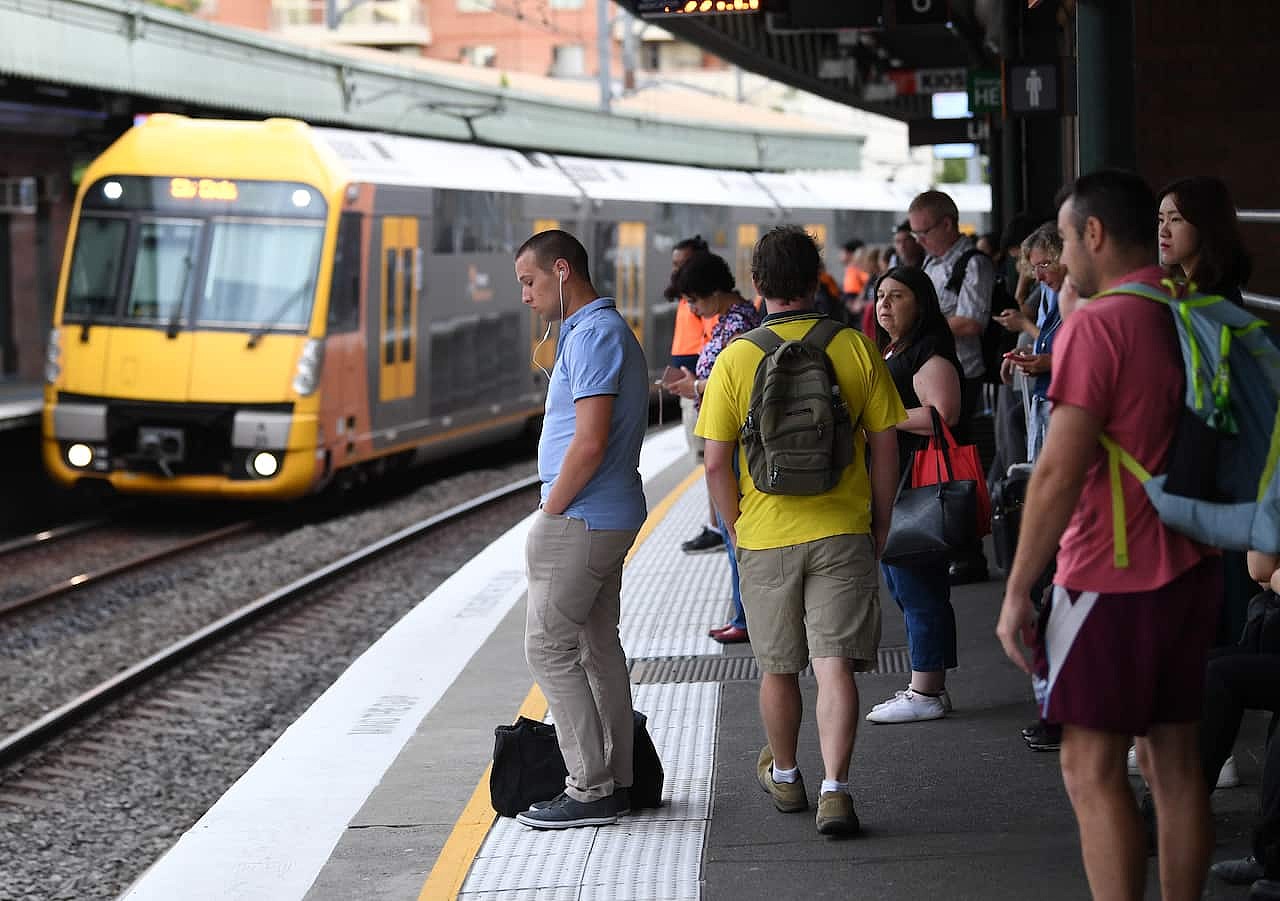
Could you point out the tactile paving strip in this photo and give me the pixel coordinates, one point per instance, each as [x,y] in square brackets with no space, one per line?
[652,854]
[670,599]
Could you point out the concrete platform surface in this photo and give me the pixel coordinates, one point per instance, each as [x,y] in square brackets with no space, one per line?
[957,808]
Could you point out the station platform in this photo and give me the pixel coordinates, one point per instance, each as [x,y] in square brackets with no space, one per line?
[380,790]
[20,404]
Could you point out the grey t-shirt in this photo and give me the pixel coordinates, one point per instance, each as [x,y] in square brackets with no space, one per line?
[973,300]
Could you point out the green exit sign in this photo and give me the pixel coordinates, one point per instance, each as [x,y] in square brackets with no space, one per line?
[984,93]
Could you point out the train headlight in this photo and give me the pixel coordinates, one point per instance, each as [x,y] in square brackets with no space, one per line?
[264,464]
[79,455]
[53,357]
[307,376]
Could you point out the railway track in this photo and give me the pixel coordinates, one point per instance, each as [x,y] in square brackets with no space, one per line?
[127,552]
[39,733]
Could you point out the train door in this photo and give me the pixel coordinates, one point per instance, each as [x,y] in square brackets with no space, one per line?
[398,302]
[542,353]
[630,295]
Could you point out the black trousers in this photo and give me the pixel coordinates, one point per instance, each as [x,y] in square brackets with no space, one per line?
[1237,680]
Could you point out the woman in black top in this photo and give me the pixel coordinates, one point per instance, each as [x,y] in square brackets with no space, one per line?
[1199,237]
[920,353]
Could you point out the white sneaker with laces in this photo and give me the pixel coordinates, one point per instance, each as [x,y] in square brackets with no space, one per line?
[945,698]
[908,707]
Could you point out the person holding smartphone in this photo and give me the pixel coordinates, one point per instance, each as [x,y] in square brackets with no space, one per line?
[1042,255]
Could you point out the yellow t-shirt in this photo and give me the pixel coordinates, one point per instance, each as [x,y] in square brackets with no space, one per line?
[775,520]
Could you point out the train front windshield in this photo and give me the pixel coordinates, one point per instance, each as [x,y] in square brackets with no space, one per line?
[202,253]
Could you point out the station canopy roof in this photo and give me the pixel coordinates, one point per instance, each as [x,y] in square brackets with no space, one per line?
[862,53]
[105,52]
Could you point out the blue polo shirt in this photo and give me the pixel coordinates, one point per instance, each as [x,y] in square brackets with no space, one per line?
[597,353]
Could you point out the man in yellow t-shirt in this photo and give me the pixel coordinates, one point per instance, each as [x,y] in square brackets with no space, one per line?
[807,564]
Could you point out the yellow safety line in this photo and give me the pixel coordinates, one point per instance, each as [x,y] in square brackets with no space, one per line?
[459,851]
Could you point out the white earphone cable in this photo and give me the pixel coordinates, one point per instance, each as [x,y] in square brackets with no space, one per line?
[547,333]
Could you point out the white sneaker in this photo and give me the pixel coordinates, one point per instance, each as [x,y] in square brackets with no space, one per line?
[1134,769]
[908,707]
[1227,776]
[945,698]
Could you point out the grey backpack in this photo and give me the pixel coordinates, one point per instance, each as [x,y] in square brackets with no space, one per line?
[798,436]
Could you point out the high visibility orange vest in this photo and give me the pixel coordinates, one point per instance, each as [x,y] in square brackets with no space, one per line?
[691,333]
[854,280]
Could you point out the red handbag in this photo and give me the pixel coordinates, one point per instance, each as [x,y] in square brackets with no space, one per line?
[944,460]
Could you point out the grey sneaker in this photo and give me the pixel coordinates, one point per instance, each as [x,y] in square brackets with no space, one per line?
[621,795]
[566,813]
[836,815]
[789,797]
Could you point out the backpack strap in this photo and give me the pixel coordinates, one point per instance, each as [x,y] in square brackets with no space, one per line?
[822,333]
[1118,457]
[956,279]
[762,337]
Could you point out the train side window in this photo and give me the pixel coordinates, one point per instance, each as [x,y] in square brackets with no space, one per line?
[411,275]
[473,222]
[344,290]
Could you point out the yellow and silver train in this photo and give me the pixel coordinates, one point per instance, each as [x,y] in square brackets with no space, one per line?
[253,309]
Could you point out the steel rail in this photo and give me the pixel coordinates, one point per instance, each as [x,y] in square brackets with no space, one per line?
[46,535]
[58,721]
[91,578]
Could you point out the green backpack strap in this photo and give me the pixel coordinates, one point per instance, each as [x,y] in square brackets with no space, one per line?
[822,333]
[762,337]
[1118,457]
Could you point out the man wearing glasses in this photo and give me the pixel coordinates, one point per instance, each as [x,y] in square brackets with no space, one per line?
[935,223]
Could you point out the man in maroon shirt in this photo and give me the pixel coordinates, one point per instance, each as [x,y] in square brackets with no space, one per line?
[1121,651]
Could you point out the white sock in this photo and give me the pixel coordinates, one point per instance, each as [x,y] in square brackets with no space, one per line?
[790,775]
[831,785]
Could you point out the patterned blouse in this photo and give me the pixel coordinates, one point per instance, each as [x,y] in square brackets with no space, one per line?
[741,317]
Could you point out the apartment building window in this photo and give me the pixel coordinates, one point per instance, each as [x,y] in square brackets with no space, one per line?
[475,6]
[568,60]
[566,4]
[483,55]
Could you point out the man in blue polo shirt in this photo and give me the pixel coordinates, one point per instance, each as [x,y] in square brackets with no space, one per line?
[592,507]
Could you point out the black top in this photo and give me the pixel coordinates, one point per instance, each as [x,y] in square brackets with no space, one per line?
[903,363]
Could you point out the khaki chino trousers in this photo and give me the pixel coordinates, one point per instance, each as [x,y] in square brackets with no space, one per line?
[574,651]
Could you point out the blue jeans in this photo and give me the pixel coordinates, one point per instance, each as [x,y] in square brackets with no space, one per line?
[923,593]
[739,620]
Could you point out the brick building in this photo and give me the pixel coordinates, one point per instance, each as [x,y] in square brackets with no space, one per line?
[540,37]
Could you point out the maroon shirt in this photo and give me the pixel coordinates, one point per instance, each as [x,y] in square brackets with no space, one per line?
[1118,358]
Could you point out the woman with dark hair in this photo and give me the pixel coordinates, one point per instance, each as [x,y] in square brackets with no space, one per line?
[707,281]
[1199,237]
[921,355]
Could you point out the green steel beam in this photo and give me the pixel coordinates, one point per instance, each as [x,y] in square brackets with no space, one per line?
[146,51]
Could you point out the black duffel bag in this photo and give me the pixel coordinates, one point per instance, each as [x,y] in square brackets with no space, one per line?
[528,767]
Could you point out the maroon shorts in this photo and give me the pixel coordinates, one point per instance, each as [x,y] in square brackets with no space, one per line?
[1123,662]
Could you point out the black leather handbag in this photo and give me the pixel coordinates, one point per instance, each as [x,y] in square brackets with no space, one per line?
[931,521]
[528,767]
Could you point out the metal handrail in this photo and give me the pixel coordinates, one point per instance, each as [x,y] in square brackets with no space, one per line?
[1261,301]
[1258,215]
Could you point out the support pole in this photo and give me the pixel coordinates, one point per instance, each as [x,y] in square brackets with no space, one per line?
[602,54]
[1106,84]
